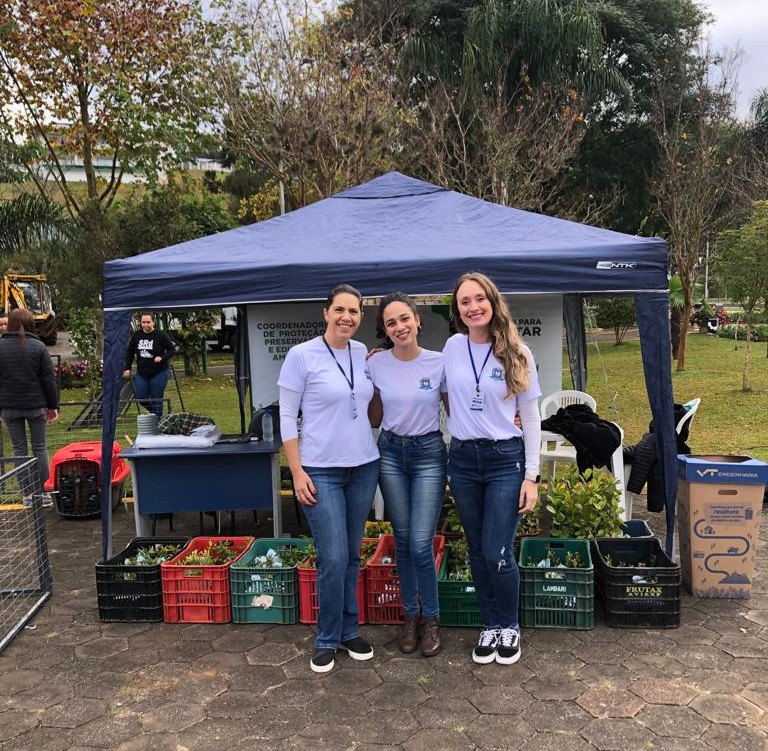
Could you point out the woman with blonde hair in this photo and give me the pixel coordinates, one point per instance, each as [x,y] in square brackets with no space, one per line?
[493,465]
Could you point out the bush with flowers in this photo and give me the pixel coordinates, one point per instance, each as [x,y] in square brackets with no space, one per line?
[77,375]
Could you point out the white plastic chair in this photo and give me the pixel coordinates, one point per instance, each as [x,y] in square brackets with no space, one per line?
[555,447]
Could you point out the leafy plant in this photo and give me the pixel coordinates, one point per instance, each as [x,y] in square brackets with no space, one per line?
[458,558]
[584,506]
[214,554]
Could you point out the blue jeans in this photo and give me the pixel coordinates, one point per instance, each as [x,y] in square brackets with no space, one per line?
[37,419]
[412,481]
[485,477]
[149,390]
[337,520]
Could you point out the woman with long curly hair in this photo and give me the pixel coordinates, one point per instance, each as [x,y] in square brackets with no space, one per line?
[493,464]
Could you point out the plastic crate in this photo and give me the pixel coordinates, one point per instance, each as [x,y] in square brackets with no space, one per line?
[199,594]
[132,593]
[383,584]
[458,601]
[261,594]
[637,597]
[556,597]
[636,528]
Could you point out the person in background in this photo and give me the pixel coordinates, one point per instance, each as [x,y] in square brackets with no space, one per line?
[493,465]
[335,467]
[3,322]
[409,382]
[153,351]
[28,394]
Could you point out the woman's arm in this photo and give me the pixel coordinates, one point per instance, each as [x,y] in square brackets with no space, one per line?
[531,422]
[375,411]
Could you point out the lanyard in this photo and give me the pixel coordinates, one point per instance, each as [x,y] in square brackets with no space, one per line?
[351,378]
[474,369]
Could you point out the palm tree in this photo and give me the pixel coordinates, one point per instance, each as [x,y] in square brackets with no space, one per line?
[29,222]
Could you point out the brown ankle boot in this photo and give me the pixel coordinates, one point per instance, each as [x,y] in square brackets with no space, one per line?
[430,640]
[408,640]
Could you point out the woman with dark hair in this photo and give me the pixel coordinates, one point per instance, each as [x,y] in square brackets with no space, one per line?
[335,466]
[493,465]
[409,383]
[28,394]
[153,350]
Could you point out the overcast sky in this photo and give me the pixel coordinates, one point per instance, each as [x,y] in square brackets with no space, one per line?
[743,23]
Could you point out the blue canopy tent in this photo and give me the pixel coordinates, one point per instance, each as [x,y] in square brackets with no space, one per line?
[396,232]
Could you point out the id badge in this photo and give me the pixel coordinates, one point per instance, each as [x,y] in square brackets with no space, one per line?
[477,403]
[354,409]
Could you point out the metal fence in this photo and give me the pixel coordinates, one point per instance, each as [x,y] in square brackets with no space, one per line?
[25,573]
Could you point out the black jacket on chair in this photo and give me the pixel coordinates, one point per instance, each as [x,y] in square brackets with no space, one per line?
[594,439]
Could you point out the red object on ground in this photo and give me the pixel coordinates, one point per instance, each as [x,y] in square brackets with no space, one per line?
[88,451]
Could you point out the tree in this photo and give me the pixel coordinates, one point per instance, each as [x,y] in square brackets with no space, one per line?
[700,162]
[28,222]
[503,107]
[114,81]
[617,313]
[305,103]
[743,260]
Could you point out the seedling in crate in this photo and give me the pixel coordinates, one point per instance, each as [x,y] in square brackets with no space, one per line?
[215,554]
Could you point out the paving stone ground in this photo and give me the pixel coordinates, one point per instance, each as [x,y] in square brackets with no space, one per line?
[70,682]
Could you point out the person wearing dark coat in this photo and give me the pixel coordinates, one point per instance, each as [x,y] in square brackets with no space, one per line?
[153,350]
[28,393]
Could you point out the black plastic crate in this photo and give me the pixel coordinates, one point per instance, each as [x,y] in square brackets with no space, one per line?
[132,593]
[645,596]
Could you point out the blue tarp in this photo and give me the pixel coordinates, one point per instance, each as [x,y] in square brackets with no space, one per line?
[396,232]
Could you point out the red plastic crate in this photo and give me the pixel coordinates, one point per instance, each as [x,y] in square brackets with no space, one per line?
[199,594]
[308,593]
[383,584]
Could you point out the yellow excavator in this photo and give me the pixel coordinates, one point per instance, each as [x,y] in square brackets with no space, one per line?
[31,291]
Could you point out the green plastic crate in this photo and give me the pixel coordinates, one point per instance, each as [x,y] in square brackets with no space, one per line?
[458,601]
[261,594]
[556,597]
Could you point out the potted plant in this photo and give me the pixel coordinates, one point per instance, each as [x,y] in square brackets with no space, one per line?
[584,506]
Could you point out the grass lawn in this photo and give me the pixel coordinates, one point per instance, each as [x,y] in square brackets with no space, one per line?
[729,420]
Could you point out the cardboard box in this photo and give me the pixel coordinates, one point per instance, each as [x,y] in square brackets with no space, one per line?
[719,502]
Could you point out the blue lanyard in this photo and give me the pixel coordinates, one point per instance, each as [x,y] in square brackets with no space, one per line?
[351,378]
[474,369]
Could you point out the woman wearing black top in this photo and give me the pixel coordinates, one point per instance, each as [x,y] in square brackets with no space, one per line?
[153,351]
[28,394]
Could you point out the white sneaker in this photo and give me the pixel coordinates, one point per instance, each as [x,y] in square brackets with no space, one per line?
[47,500]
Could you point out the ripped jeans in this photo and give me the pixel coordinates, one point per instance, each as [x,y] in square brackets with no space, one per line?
[485,478]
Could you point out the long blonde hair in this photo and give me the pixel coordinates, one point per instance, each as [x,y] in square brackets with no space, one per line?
[507,343]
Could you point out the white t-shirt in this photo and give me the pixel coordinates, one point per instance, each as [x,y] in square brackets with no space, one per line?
[330,436]
[496,419]
[410,391]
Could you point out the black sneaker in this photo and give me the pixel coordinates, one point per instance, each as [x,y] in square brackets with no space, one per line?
[508,648]
[357,648]
[485,651]
[323,660]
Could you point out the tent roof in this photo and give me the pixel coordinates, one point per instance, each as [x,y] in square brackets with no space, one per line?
[394,232]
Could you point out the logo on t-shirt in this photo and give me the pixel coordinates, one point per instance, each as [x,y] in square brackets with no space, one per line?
[497,374]
[425,384]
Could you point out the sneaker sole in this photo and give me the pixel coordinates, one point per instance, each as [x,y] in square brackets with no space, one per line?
[322,668]
[508,660]
[483,659]
[361,657]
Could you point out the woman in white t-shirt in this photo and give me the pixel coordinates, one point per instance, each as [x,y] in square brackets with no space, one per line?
[493,465]
[335,467]
[409,383]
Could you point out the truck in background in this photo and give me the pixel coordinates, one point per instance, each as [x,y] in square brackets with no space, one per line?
[31,292]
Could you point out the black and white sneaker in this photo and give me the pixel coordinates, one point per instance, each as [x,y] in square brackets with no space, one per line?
[508,648]
[485,650]
[357,648]
[323,660]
